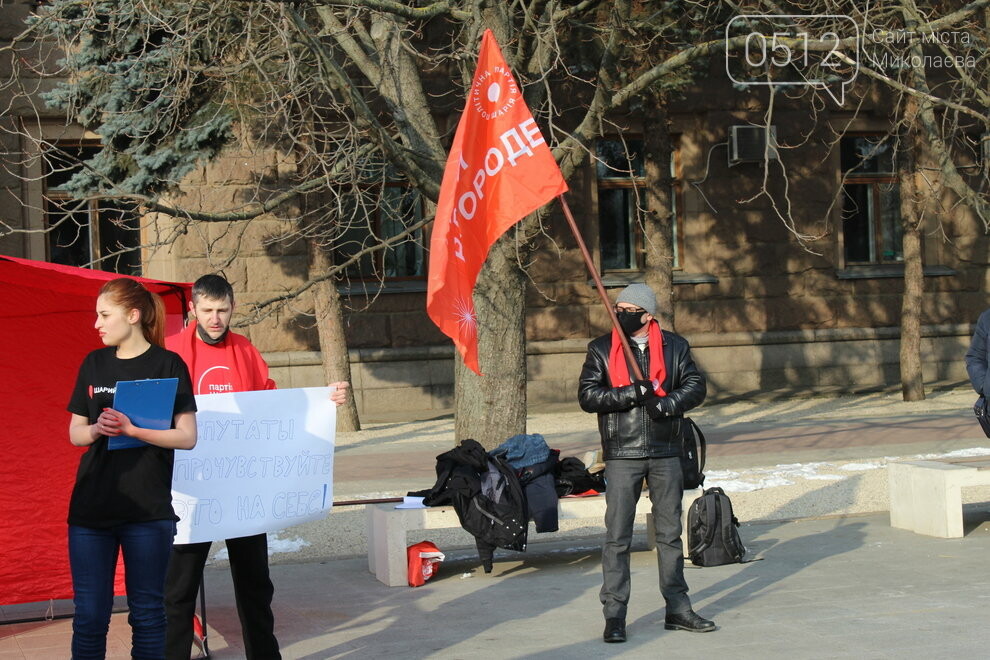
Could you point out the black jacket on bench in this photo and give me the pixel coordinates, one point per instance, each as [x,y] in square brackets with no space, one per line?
[485,493]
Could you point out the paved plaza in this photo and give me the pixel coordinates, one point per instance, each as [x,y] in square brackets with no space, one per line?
[828,586]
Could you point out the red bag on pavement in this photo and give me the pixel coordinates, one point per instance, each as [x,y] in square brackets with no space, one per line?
[423,560]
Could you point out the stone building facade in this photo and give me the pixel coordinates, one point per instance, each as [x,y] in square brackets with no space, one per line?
[765,313]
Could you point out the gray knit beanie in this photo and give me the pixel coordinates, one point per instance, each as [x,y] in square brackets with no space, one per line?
[639,295]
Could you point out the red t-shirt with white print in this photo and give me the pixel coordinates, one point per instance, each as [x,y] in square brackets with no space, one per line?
[233,365]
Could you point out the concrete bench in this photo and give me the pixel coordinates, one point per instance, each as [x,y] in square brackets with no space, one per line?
[388,528]
[926,496]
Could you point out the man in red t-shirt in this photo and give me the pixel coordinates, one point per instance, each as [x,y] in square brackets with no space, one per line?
[222,361]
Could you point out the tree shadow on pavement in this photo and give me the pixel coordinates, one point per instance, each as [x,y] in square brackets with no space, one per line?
[540,607]
[781,560]
[459,606]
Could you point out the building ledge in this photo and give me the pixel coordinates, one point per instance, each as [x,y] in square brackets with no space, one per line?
[580,344]
[624,279]
[375,288]
[888,271]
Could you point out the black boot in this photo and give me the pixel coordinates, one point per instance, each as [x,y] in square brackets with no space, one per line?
[615,630]
[689,621]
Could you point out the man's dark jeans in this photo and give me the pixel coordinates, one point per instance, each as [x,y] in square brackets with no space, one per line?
[624,486]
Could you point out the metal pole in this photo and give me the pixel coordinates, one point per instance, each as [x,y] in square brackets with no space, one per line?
[202,609]
[627,351]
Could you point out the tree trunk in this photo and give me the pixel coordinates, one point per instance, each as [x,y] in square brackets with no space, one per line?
[912,215]
[492,407]
[333,345]
[912,376]
[658,223]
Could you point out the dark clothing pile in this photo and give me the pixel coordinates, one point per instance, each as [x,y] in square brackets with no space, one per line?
[535,464]
[573,478]
[523,450]
[487,496]
[496,494]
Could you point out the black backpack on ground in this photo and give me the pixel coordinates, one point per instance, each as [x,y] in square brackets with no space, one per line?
[713,537]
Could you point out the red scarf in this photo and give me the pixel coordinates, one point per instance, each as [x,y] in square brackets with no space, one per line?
[618,368]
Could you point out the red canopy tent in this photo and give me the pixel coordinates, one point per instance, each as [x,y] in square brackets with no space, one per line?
[46,328]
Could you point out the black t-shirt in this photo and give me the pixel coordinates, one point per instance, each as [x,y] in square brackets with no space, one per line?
[124,485]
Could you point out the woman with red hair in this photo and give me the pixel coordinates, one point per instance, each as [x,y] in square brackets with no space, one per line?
[122,498]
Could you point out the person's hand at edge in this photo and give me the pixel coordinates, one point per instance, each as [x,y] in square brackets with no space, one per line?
[339,393]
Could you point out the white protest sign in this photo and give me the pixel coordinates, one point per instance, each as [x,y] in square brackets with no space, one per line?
[263,461]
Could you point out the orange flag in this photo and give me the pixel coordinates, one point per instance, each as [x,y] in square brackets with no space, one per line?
[499,170]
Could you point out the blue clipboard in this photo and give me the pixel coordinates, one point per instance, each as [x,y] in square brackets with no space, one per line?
[148,403]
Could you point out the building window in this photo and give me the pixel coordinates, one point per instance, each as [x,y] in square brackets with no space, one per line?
[871,204]
[101,234]
[621,202]
[401,208]
[373,219]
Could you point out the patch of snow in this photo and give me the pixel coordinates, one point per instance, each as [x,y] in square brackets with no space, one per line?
[861,467]
[959,453]
[770,477]
[745,486]
[748,480]
[275,544]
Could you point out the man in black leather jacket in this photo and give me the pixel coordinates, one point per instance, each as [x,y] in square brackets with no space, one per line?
[640,424]
[977,360]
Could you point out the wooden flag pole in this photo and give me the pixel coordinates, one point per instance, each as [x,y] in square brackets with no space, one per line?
[627,351]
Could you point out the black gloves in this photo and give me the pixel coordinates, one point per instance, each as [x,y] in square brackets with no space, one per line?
[644,390]
[658,408]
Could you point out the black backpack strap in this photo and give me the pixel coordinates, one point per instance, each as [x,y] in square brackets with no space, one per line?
[701,444]
[710,515]
[728,522]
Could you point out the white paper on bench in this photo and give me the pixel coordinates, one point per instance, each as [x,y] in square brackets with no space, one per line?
[409,502]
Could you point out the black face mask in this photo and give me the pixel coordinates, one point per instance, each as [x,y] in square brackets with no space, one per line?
[208,339]
[630,322]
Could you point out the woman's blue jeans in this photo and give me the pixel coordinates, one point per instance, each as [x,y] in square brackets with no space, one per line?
[93,559]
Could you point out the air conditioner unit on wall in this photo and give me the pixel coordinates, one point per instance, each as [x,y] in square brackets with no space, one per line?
[748,144]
